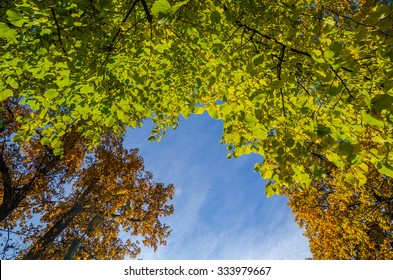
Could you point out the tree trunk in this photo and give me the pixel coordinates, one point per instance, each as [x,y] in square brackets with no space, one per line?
[39,249]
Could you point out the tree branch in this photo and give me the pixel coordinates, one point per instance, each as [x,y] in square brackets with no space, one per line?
[342,81]
[58,30]
[246,27]
[355,21]
[123,21]
[148,15]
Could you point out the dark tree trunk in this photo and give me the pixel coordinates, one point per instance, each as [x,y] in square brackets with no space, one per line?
[38,250]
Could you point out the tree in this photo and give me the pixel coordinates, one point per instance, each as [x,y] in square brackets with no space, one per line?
[314,78]
[115,185]
[108,180]
[30,174]
[346,222]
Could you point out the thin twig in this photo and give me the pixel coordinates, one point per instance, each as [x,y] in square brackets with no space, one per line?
[123,21]
[16,232]
[246,27]
[355,21]
[342,81]
[58,30]
[179,37]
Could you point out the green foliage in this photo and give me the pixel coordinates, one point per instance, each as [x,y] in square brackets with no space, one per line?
[292,81]
[6,32]
[165,12]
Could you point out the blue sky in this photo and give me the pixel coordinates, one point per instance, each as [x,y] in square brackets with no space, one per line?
[220,207]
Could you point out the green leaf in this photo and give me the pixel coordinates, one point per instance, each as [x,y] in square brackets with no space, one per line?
[164,12]
[385,169]
[322,130]
[215,17]
[362,178]
[367,119]
[87,89]
[336,47]
[250,120]
[199,110]
[56,143]
[335,90]
[60,126]
[266,172]
[34,105]
[257,167]
[17,139]
[66,119]
[45,141]
[15,17]
[58,151]
[289,142]
[345,148]
[110,121]
[214,113]
[333,157]
[51,93]
[45,31]
[89,134]
[62,83]
[329,54]
[178,5]
[138,107]
[5,94]
[258,59]
[96,118]
[225,109]
[6,32]
[364,167]
[320,73]
[330,21]
[259,132]
[277,84]
[382,101]
[160,6]
[367,100]
[269,192]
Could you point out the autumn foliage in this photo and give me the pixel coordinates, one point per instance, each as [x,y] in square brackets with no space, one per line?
[66,192]
[346,221]
[31,173]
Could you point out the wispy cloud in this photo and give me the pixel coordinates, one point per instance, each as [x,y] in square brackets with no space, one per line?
[220,207]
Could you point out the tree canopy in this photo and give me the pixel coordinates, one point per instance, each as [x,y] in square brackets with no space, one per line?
[114,185]
[48,200]
[313,79]
[346,221]
[31,175]
[295,81]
